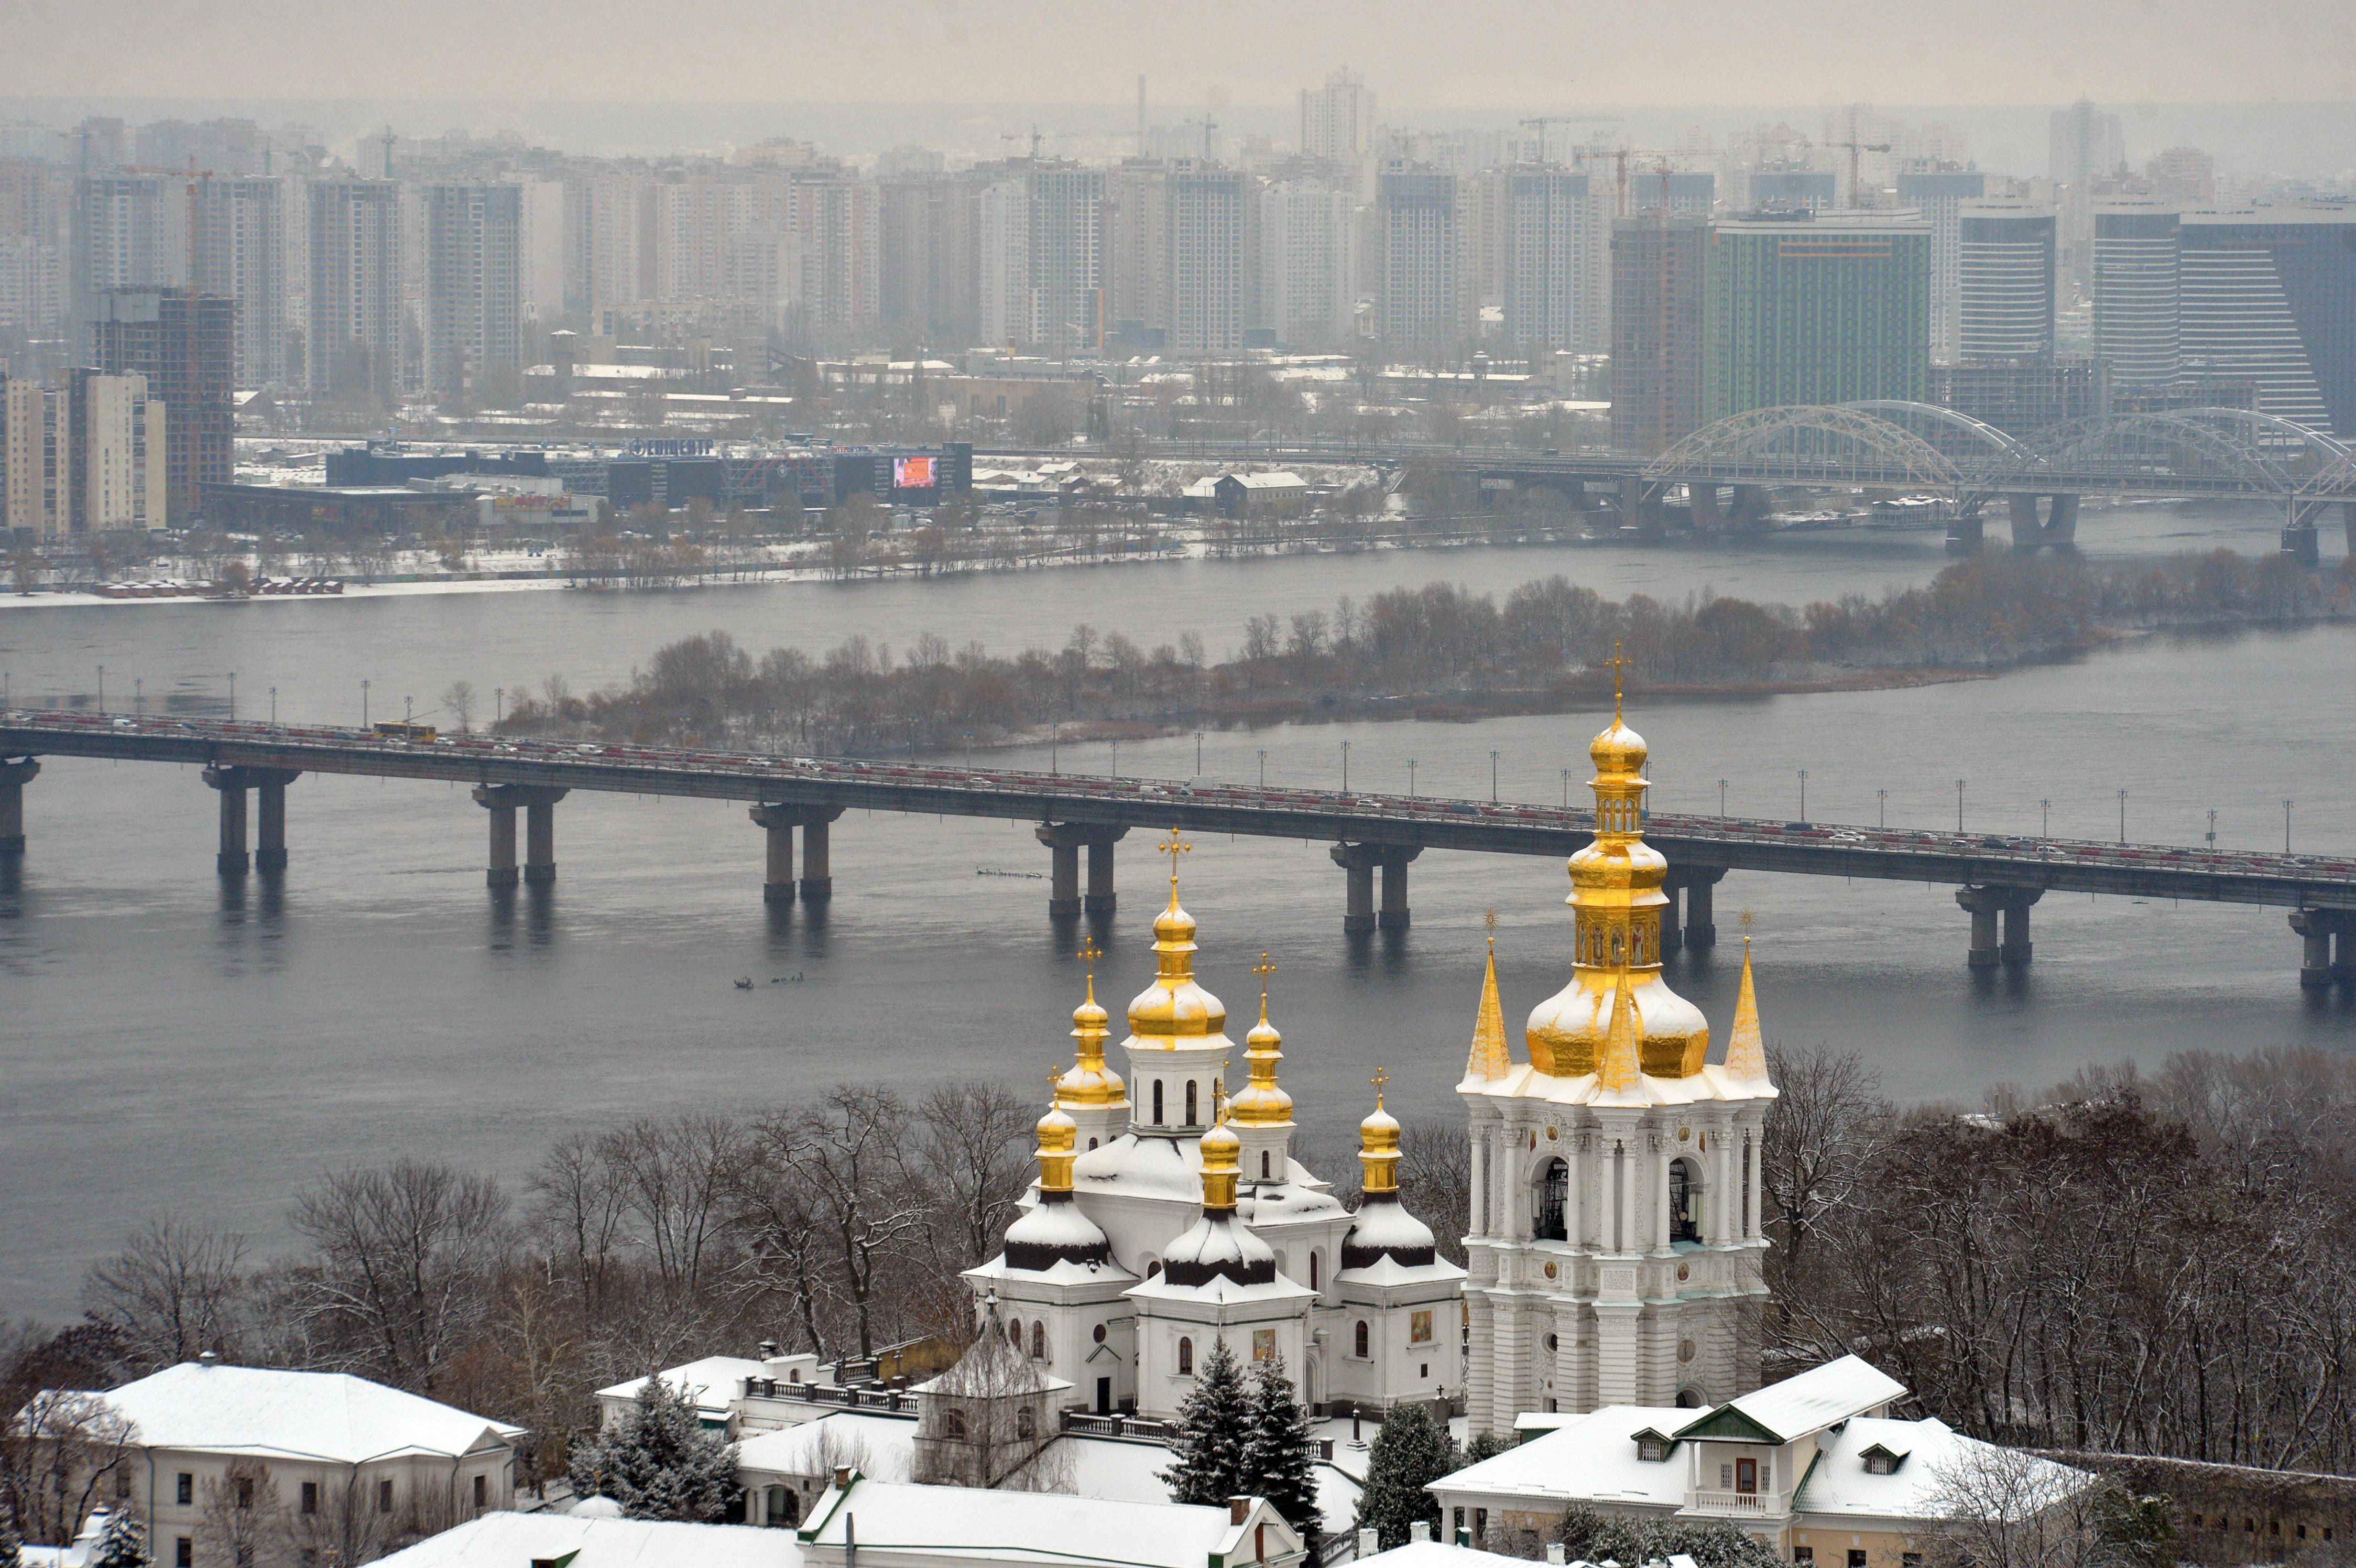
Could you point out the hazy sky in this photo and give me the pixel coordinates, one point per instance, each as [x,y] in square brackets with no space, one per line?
[1453,53]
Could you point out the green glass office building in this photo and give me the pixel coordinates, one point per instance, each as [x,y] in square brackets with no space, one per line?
[1832,308]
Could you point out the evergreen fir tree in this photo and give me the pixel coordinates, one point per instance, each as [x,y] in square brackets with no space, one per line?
[1213,1423]
[1279,1460]
[1410,1453]
[658,1462]
[1485,1446]
[120,1543]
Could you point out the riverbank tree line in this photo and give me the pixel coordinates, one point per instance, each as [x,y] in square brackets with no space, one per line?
[1433,648]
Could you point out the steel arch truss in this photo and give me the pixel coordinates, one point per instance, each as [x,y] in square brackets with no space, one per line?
[2204,450]
[1982,440]
[1808,444]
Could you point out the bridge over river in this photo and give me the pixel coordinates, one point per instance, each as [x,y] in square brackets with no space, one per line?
[1997,879]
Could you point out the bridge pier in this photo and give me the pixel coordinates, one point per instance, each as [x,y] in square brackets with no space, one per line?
[1986,904]
[1965,529]
[539,831]
[233,859]
[13,777]
[2300,541]
[1639,504]
[1691,886]
[2327,947]
[1703,498]
[2059,529]
[270,816]
[1064,841]
[1394,914]
[818,864]
[1749,511]
[778,876]
[1358,862]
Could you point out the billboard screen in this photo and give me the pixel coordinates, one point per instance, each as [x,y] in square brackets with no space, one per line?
[913,473]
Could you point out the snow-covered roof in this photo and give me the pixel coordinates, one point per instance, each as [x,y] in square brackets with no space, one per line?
[1796,1407]
[711,1383]
[1136,1165]
[1920,1487]
[882,1447]
[1526,1083]
[1593,1457]
[517,1540]
[309,1415]
[968,1523]
[1441,1554]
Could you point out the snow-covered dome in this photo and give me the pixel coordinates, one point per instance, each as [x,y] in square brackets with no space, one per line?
[1055,1231]
[1218,1248]
[1384,1229]
[598,1506]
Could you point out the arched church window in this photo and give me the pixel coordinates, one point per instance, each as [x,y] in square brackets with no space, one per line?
[1014,1332]
[1157,1103]
[1684,1216]
[953,1425]
[1026,1423]
[1359,1339]
[1185,1357]
[1313,1256]
[1190,1106]
[1553,1196]
[1039,1341]
[1263,1165]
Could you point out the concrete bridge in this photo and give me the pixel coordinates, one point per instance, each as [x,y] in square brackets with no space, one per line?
[1997,877]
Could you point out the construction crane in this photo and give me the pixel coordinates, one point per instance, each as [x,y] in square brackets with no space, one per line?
[1035,136]
[1855,147]
[1543,120]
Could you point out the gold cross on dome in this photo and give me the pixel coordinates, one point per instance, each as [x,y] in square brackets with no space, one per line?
[1618,664]
[1175,848]
[1090,953]
[1381,1077]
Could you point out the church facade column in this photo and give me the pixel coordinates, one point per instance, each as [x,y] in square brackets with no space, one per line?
[1480,1373]
[1478,1218]
[1664,1155]
[1574,1206]
[1751,1228]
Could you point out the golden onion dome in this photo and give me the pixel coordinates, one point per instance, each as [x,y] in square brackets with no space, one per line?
[1089,1082]
[1222,1162]
[1378,1144]
[1618,750]
[1263,1102]
[1616,892]
[1059,1136]
[1174,1007]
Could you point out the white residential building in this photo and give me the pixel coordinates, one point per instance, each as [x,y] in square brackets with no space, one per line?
[1308,267]
[337,1464]
[1814,1465]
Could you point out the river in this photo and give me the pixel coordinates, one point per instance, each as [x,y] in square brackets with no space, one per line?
[167,1042]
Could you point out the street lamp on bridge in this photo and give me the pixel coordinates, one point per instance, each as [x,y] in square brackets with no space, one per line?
[1263,768]
[2123,816]
[1346,767]
[1803,794]
[2286,827]
[1493,778]
[1959,806]
[1881,808]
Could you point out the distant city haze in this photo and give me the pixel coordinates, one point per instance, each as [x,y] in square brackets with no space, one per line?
[1495,54]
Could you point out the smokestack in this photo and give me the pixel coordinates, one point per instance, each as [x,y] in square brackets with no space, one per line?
[1140,114]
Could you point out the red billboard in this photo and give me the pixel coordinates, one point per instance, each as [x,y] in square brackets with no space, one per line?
[913,473]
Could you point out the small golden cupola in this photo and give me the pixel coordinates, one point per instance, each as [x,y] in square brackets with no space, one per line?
[1220,1167]
[1090,1083]
[1383,1230]
[1617,901]
[1055,1231]
[1263,1102]
[1378,1144]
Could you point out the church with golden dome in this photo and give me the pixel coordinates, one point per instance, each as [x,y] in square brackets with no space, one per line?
[1170,1216]
[1616,1234]
[1616,1237]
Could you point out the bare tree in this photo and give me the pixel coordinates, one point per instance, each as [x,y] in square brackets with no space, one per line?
[404,1254]
[675,1176]
[174,1290]
[1823,1134]
[974,1143]
[849,1151]
[1436,1179]
[243,1522]
[458,696]
[61,1455]
[580,1212]
[2001,1507]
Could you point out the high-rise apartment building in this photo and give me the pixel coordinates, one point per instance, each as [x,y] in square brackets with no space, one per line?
[116,475]
[1552,261]
[926,259]
[1678,192]
[124,235]
[1308,267]
[2269,295]
[2084,143]
[186,348]
[34,202]
[1939,195]
[1658,313]
[2137,308]
[609,250]
[1212,217]
[84,457]
[1789,189]
[1337,120]
[474,298]
[1002,262]
[1831,309]
[836,220]
[2005,279]
[357,317]
[240,254]
[36,459]
[1420,239]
